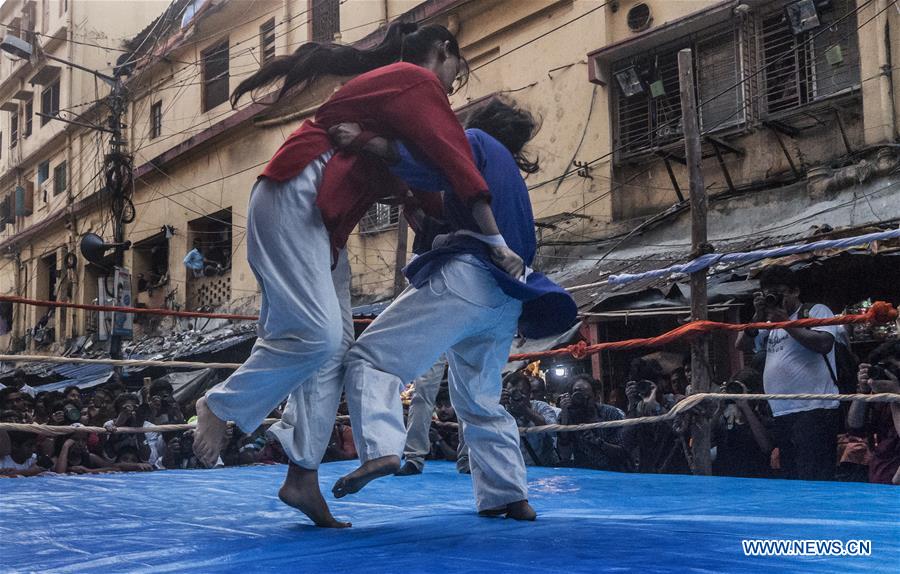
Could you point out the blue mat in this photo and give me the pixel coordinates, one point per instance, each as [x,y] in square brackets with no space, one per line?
[230,520]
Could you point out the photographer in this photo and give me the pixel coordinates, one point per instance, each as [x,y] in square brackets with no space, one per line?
[444,431]
[798,361]
[600,449]
[128,415]
[161,407]
[742,443]
[880,421]
[538,449]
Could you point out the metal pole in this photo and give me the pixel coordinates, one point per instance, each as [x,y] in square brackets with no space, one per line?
[700,345]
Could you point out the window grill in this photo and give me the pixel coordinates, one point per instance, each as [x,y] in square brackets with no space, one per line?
[326,20]
[379,217]
[267,41]
[156,120]
[215,75]
[652,118]
[802,69]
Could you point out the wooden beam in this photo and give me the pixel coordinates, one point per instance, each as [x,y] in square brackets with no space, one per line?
[700,345]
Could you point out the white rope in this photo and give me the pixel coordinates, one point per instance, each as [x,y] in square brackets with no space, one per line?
[680,408]
[117,362]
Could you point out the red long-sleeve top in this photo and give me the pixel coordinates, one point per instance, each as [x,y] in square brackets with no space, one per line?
[400,101]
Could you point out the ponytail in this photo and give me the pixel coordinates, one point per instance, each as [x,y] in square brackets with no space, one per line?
[510,125]
[315,59]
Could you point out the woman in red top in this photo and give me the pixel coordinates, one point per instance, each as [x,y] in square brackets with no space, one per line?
[302,209]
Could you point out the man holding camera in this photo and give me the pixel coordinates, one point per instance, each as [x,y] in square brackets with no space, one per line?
[880,421]
[538,449]
[798,361]
[600,449]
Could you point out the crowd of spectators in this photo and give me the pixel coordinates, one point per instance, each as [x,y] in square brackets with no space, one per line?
[813,440]
[110,406]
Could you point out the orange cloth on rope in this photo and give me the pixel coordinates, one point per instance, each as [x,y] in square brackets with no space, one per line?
[879,312]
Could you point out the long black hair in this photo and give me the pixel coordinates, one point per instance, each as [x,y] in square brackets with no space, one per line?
[510,125]
[403,40]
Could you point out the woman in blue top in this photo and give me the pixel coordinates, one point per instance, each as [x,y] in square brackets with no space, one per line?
[460,302]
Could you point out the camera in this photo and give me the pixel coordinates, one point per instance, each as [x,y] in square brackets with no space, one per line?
[734,388]
[774,299]
[879,372]
[644,388]
[579,400]
[73,414]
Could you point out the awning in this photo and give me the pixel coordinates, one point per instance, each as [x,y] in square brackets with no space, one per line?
[520,346]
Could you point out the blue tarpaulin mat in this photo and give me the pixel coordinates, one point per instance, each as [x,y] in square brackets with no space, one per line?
[230,520]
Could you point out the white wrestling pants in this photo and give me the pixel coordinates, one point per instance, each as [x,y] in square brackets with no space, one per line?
[462,311]
[418,419]
[305,321]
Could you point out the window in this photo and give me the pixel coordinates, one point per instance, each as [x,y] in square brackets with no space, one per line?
[13,129]
[155,120]
[50,102]
[43,172]
[379,217]
[647,98]
[804,68]
[215,75]
[60,179]
[29,115]
[326,20]
[267,41]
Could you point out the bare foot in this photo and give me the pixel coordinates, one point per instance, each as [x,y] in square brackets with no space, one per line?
[365,474]
[210,434]
[519,510]
[301,491]
[408,469]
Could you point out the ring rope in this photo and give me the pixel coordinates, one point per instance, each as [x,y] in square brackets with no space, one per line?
[680,408]
[879,312]
[136,310]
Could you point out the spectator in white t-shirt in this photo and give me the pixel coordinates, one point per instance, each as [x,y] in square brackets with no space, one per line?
[805,432]
[18,456]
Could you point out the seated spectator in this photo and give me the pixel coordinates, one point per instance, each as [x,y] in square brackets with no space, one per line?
[18,454]
[64,413]
[161,407]
[539,391]
[538,449]
[879,422]
[72,455]
[128,415]
[660,400]
[341,446]
[12,399]
[102,407]
[742,444]
[19,383]
[11,416]
[444,431]
[600,449]
[177,455]
[73,394]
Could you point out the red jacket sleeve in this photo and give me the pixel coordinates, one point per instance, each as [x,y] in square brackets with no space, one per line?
[421,115]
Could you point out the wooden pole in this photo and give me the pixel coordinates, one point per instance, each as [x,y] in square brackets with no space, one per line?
[400,255]
[700,346]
